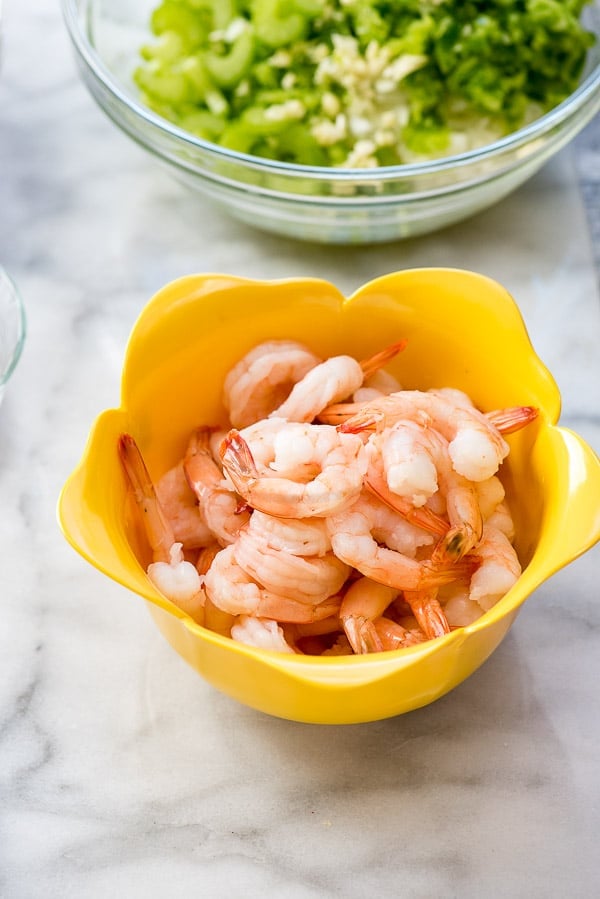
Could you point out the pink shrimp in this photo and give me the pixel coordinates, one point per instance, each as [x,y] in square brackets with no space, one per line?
[381,383]
[261,632]
[364,601]
[499,568]
[263,378]
[416,462]
[419,441]
[393,635]
[170,573]
[180,508]
[232,590]
[307,579]
[341,466]
[459,610]
[476,445]
[215,619]
[330,381]
[354,542]
[298,536]
[427,610]
[222,510]
[390,528]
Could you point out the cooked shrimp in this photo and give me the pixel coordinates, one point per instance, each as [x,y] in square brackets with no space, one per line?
[416,459]
[263,378]
[329,382]
[381,383]
[261,632]
[409,456]
[502,520]
[179,581]
[181,509]
[305,579]
[221,508]
[298,536]
[391,528]
[214,618]
[201,470]
[364,601]
[490,494]
[402,447]
[459,609]
[453,395]
[499,568]
[352,539]
[215,439]
[476,447]
[422,517]
[175,578]
[394,636]
[232,590]
[342,465]
[427,610]
[371,414]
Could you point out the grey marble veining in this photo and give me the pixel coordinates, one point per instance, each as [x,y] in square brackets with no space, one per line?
[121,772]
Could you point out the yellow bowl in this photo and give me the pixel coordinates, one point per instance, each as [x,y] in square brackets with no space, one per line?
[464,331]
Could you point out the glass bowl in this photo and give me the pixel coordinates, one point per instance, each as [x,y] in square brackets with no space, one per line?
[461,327]
[12,329]
[328,205]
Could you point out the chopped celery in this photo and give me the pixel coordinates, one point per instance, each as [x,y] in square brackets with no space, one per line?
[228,69]
[281,22]
[356,83]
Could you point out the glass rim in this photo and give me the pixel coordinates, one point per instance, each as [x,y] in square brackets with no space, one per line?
[7,284]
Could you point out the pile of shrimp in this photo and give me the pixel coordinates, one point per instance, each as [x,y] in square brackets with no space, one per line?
[335,513]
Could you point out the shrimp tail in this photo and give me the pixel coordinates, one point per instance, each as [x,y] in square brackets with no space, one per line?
[237,458]
[394,636]
[367,420]
[445,571]
[427,610]
[454,545]
[422,516]
[512,419]
[158,530]
[338,413]
[362,634]
[199,467]
[374,363]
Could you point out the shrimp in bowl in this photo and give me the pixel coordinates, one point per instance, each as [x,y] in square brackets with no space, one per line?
[460,329]
[355,524]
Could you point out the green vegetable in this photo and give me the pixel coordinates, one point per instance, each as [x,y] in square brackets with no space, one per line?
[359,83]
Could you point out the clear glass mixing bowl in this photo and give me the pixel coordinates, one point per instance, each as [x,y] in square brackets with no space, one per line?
[328,205]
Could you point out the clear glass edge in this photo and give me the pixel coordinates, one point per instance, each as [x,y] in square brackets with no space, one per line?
[18,348]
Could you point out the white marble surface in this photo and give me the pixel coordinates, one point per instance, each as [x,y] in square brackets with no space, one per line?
[122,773]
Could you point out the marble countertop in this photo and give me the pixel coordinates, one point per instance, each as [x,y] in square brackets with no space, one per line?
[122,772]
